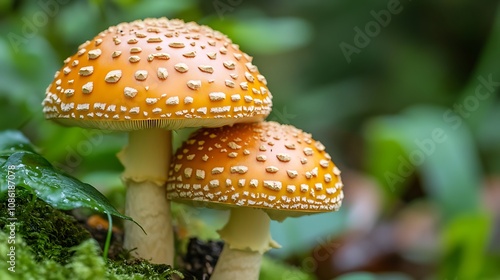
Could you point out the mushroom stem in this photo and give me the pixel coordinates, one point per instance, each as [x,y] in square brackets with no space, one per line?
[247,238]
[146,159]
[237,264]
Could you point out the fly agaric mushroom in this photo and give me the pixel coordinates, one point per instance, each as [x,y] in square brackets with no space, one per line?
[148,77]
[259,171]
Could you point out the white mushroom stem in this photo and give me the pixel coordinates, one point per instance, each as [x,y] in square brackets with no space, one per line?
[146,159]
[237,264]
[247,238]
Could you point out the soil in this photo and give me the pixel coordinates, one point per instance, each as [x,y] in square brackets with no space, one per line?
[200,259]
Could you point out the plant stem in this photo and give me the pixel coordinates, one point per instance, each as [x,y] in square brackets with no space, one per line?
[486,68]
[108,237]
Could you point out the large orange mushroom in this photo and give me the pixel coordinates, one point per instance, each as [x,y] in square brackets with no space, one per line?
[149,77]
[260,171]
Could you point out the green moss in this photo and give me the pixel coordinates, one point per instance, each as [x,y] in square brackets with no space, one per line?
[140,269]
[85,263]
[48,232]
[49,244]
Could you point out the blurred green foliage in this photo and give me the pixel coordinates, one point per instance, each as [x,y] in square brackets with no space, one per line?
[417,72]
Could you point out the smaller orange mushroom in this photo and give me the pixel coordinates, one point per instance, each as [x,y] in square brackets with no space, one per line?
[260,171]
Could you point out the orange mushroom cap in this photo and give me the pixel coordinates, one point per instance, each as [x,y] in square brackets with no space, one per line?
[262,165]
[157,73]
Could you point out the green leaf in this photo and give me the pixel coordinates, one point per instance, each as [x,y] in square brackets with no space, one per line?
[20,166]
[465,239]
[372,276]
[357,276]
[486,65]
[439,151]
[384,153]
[271,36]
[12,141]
[274,269]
